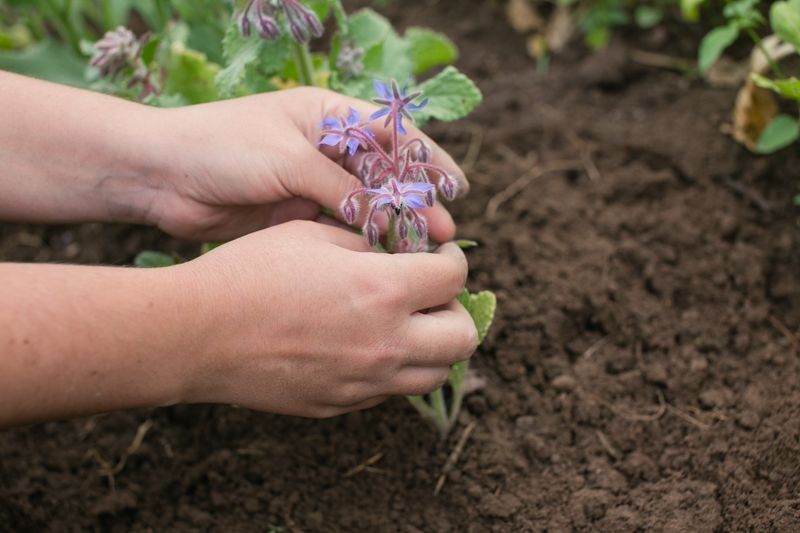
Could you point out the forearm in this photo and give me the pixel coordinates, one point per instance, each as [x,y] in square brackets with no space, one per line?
[82,340]
[68,155]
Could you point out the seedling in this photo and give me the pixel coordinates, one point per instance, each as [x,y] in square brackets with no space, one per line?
[744,18]
[400,182]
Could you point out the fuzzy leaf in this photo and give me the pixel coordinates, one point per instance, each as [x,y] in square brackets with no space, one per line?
[367,28]
[149,259]
[780,133]
[239,52]
[481,307]
[47,60]
[785,20]
[191,75]
[451,96]
[430,49]
[789,88]
[714,44]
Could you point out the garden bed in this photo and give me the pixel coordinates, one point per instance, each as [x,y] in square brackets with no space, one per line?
[642,373]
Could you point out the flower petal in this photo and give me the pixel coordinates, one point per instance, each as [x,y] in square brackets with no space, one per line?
[414,202]
[330,123]
[353,118]
[331,140]
[379,113]
[382,89]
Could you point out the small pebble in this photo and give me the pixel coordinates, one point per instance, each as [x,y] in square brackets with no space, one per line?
[748,420]
[564,383]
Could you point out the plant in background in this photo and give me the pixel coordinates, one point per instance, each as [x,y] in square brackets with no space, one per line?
[196,52]
[401,181]
[744,17]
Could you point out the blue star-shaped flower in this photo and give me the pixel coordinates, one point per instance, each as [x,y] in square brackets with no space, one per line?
[396,104]
[342,132]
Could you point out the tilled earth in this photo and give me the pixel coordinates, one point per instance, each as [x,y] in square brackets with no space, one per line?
[641,375]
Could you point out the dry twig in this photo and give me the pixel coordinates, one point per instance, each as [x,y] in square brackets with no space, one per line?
[474,149]
[366,466]
[454,456]
[109,470]
[537,172]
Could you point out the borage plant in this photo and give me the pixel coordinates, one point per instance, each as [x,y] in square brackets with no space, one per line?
[400,181]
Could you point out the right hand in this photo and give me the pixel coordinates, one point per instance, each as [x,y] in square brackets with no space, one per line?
[303,319]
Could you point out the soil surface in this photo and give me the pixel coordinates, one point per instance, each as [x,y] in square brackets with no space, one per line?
[642,374]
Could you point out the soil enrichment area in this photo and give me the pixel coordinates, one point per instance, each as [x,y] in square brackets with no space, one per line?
[642,374]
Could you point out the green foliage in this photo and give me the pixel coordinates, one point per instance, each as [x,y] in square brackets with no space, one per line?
[788,88]
[780,133]
[691,9]
[149,259]
[451,96]
[481,307]
[47,60]
[430,49]
[191,75]
[714,44]
[648,16]
[785,20]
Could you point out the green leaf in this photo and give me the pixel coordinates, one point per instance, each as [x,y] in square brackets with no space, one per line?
[430,49]
[481,307]
[239,52]
[47,60]
[15,37]
[714,44]
[785,20]
[451,96]
[466,244]
[396,61]
[789,88]
[648,16]
[208,246]
[780,133]
[149,259]
[691,9]
[191,75]
[797,200]
[368,29]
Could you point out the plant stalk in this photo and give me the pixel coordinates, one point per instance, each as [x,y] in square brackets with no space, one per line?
[440,408]
[305,67]
[773,65]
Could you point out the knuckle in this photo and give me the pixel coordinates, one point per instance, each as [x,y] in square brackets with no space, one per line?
[454,273]
[467,341]
[349,394]
[386,357]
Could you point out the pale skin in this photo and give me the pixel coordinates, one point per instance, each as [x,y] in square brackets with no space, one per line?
[292,316]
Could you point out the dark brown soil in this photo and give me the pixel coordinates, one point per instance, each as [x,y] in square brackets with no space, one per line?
[642,373]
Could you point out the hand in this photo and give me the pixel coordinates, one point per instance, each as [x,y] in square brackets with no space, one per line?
[246,164]
[302,319]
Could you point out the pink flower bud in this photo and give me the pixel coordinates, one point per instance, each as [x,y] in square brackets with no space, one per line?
[402,228]
[349,211]
[448,187]
[371,230]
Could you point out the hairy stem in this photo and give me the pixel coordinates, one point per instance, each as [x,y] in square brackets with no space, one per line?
[424,409]
[440,408]
[305,68]
[773,65]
